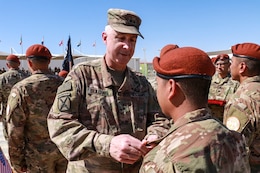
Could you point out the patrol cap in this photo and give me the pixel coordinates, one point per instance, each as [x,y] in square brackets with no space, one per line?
[246,50]
[222,57]
[63,73]
[13,58]
[38,51]
[124,21]
[185,62]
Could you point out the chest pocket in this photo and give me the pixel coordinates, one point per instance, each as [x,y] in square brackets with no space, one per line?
[132,111]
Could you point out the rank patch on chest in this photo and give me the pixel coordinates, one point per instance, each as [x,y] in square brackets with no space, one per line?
[64,103]
[233,123]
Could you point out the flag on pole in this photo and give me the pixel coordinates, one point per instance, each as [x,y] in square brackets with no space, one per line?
[79,44]
[94,44]
[42,41]
[68,59]
[21,40]
[4,164]
[61,43]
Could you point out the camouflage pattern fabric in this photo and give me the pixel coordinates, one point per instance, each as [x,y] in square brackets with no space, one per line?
[221,89]
[7,81]
[198,143]
[29,143]
[242,114]
[89,110]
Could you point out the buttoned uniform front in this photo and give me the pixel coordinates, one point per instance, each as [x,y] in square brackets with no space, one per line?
[7,81]
[90,109]
[242,114]
[29,143]
[197,142]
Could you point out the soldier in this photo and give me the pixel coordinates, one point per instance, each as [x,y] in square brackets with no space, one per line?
[222,86]
[29,102]
[242,112]
[196,142]
[7,80]
[102,110]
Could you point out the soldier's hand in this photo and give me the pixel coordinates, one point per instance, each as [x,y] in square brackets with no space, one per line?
[127,149]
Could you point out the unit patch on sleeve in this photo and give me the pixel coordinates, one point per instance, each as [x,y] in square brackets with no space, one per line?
[64,103]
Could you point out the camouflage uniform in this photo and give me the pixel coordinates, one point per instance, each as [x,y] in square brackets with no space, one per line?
[90,109]
[7,81]
[198,143]
[29,143]
[242,114]
[221,89]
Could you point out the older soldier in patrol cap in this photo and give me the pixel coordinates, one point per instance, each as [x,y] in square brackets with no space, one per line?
[222,86]
[196,142]
[7,81]
[30,147]
[242,112]
[102,110]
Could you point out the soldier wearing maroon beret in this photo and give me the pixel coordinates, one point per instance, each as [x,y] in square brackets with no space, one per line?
[222,86]
[242,112]
[196,142]
[7,81]
[29,102]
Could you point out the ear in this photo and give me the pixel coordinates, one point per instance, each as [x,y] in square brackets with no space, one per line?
[104,37]
[29,62]
[172,88]
[242,67]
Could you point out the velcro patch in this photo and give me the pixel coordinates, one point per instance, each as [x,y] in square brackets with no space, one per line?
[67,86]
[64,103]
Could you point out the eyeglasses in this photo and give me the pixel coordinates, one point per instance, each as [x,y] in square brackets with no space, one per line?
[221,64]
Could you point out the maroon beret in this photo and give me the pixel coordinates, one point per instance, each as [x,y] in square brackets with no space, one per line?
[246,50]
[185,62]
[221,57]
[13,58]
[213,60]
[63,73]
[38,51]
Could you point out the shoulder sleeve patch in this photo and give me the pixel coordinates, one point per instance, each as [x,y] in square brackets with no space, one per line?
[66,86]
[64,103]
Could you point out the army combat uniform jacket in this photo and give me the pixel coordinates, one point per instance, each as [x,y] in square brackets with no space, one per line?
[242,114]
[29,142]
[88,111]
[7,81]
[198,143]
[222,89]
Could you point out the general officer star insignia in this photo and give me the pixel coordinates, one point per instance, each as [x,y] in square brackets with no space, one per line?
[64,103]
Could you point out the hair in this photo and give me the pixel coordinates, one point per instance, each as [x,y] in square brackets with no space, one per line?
[13,63]
[108,29]
[195,89]
[253,66]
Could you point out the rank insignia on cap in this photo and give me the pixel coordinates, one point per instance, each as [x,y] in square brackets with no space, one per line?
[233,123]
[64,103]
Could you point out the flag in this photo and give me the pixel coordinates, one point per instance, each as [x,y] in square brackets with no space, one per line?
[42,41]
[68,59]
[94,44]
[79,44]
[4,164]
[21,40]
[61,43]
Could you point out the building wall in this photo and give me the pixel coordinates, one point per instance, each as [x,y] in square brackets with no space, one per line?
[134,63]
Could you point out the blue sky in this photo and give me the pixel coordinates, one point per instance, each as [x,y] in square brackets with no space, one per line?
[206,24]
